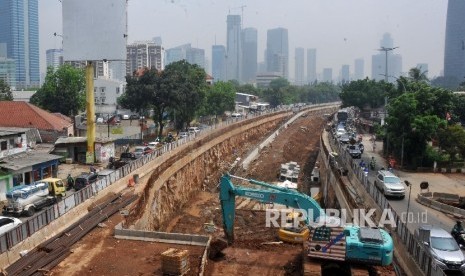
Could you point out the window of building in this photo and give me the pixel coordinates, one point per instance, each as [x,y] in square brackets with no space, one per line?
[3,145]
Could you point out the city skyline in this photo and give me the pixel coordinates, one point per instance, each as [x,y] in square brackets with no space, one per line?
[311,24]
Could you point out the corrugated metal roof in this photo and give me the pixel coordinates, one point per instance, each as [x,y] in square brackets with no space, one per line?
[76,139]
[26,159]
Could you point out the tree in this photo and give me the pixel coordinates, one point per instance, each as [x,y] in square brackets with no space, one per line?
[187,85]
[63,91]
[5,91]
[220,98]
[365,93]
[415,74]
[452,141]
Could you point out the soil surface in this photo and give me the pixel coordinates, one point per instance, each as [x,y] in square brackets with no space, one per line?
[256,249]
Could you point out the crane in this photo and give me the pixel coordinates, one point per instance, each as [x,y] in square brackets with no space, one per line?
[361,244]
[242,12]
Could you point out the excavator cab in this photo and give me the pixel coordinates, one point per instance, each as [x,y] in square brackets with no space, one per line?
[294,233]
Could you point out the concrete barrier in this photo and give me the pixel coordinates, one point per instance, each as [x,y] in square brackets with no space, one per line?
[164,237]
[448,209]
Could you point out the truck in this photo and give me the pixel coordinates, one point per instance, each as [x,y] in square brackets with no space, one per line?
[350,243]
[27,199]
[124,159]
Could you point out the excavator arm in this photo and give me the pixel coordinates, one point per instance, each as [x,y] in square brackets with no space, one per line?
[272,194]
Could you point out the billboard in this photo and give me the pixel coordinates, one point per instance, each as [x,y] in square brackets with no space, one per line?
[94,30]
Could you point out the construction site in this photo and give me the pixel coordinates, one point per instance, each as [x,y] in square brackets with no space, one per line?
[175,218]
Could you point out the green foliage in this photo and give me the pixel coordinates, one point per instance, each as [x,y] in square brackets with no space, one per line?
[5,91]
[63,91]
[365,93]
[187,84]
[417,75]
[452,141]
[220,98]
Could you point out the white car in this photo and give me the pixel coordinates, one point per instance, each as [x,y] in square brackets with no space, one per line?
[99,120]
[193,130]
[183,134]
[236,115]
[125,117]
[8,223]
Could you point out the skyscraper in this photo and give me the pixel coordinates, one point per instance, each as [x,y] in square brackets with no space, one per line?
[219,62]
[311,65]
[345,73]
[277,52]
[327,75]
[359,71]
[249,55]
[299,66]
[19,29]
[177,53]
[378,62]
[454,54]
[196,56]
[54,58]
[233,47]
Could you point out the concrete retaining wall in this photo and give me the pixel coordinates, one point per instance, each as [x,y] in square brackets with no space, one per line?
[164,237]
[60,224]
[445,208]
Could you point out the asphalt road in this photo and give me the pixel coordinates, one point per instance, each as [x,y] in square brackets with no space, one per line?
[418,213]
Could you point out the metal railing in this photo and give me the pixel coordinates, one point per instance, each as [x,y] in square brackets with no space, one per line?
[414,247]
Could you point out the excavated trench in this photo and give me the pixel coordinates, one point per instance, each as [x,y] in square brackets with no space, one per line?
[197,167]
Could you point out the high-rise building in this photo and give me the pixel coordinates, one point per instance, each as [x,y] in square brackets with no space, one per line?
[143,54]
[378,62]
[359,69]
[186,52]
[277,52]
[345,73]
[249,55]
[233,47]
[327,75]
[219,62]
[196,56]
[54,58]
[19,21]
[311,65]
[299,66]
[454,54]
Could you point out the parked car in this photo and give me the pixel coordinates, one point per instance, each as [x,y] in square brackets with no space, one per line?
[193,130]
[154,144]
[389,184]
[104,173]
[442,246]
[84,180]
[8,223]
[99,120]
[125,117]
[139,151]
[236,115]
[183,134]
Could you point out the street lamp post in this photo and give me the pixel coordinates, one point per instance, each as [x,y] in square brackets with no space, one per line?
[408,203]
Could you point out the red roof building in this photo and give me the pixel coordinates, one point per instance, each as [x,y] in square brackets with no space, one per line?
[25,115]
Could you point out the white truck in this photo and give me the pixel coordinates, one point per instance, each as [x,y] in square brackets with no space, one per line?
[26,199]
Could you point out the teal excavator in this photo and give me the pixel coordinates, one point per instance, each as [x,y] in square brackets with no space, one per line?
[352,243]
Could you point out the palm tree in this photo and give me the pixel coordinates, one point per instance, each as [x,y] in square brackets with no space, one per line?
[415,74]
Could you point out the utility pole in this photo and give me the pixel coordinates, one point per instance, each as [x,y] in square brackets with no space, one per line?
[386,79]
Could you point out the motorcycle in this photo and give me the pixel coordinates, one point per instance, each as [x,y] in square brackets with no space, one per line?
[372,165]
[460,239]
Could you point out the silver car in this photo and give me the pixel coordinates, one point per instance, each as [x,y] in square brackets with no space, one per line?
[442,246]
[389,184]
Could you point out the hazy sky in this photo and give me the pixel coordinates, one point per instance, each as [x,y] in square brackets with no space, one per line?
[340,30]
